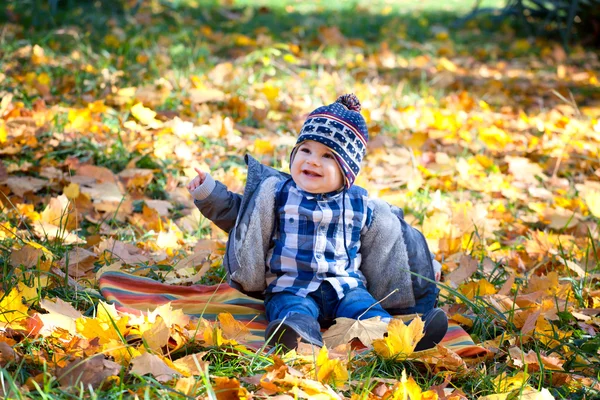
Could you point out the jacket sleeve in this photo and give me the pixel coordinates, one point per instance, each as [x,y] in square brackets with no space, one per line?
[217,203]
[384,254]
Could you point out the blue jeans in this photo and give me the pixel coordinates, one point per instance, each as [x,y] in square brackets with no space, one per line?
[323,305]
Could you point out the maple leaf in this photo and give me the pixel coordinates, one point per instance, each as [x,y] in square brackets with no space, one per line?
[228,389]
[480,288]
[504,383]
[407,389]
[60,315]
[156,336]
[191,364]
[121,352]
[154,365]
[108,324]
[346,329]
[232,329]
[145,115]
[401,339]
[12,308]
[330,369]
[89,372]
[531,360]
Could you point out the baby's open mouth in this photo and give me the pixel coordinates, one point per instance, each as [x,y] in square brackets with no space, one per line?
[310,173]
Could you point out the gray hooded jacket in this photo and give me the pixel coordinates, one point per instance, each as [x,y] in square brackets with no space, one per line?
[250,219]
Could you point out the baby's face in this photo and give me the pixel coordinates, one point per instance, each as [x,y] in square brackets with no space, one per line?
[314,168]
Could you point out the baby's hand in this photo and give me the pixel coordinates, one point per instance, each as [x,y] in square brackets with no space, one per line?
[197,181]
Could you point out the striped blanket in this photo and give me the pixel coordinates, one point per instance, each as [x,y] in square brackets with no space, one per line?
[133,293]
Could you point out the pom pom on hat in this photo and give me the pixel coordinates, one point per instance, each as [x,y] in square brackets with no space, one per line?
[350,101]
[340,127]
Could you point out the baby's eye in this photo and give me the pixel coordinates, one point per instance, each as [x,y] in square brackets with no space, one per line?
[305,150]
[328,155]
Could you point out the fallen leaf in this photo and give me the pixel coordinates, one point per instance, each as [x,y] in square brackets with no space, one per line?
[154,365]
[346,329]
[157,336]
[531,360]
[192,364]
[228,389]
[466,269]
[331,370]
[89,372]
[25,184]
[27,256]
[401,339]
[60,315]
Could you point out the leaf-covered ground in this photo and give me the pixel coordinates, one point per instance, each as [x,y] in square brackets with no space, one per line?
[489,141]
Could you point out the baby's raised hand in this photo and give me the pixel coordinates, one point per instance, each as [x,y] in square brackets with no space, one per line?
[197,181]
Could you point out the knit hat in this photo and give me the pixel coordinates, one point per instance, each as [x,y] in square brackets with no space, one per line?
[340,127]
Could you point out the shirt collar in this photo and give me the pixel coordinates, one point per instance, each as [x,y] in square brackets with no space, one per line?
[318,196]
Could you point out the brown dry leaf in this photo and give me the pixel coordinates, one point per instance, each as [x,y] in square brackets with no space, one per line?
[123,252]
[163,207]
[25,184]
[28,256]
[332,36]
[3,171]
[154,365]
[530,323]
[467,267]
[346,329]
[7,354]
[89,372]
[506,288]
[97,174]
[78,261]
[532,361]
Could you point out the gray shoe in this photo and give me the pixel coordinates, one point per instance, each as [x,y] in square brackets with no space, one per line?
[436,326]
[292,329]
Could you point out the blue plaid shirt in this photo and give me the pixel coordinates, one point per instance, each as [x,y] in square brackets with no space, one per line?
[309,241]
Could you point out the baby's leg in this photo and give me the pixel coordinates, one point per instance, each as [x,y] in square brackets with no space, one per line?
[358,300]
[291,319]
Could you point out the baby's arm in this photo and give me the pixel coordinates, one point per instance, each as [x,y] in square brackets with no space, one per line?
[214,201]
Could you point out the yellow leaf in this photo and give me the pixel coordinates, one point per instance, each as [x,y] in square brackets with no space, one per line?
[504,383]
[592,199]
[262,146]
[407,388]
[71,191]
[401,340]
[12,308]
[123,353]
[232,329]
[479,288]
[107,325]
[111,41]
[330,369]
[79,120]
[156,336]
[494,138]
[145,115]
[3,134]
